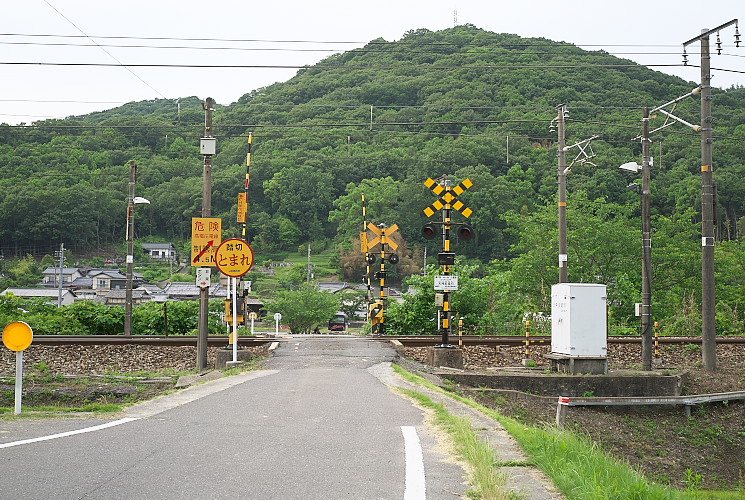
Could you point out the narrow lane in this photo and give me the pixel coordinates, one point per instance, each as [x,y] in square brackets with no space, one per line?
[316,424]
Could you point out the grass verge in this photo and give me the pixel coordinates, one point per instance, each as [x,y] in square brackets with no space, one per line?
[64,396]
[575,464]
[488,482]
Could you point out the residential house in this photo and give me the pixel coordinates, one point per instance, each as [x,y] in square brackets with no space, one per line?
[119,297]
[105,280]
[51,295]
[52,276]
[160,251]
[190,291]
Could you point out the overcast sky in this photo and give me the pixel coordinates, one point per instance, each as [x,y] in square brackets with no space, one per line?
[650,32]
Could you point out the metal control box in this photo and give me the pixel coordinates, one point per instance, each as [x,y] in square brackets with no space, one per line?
[579,325]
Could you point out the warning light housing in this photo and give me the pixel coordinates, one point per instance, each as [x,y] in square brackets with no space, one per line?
[465,232]
[429,231]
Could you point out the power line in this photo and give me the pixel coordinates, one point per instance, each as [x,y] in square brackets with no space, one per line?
[106,51]
[342,66]
[280,49]
[522,43]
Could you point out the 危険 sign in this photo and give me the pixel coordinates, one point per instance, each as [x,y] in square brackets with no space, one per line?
[206,235]
[234,257]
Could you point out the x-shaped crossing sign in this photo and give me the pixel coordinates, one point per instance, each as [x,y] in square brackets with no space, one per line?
[449,198]
[382,235]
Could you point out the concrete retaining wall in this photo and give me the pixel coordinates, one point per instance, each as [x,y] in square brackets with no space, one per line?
[626,385]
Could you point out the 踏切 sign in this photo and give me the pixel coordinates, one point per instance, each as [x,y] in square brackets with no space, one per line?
[234,257]
[206,235]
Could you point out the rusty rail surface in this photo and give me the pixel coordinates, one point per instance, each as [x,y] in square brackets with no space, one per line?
[406,340]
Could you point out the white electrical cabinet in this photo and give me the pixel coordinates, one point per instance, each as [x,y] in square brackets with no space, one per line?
[579,320]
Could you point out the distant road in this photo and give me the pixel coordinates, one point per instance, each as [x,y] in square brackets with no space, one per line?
[315,423]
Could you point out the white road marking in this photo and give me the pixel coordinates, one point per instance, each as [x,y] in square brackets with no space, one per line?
[415,482]
[68,433]
[158,405]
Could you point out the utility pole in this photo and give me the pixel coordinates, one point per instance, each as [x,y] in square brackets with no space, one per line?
[708,306]
[562,178]
[130,249]
[562,171]
[61,275]
[203,330]
[646,202]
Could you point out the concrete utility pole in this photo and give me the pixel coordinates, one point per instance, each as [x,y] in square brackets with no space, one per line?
[646,203]
[61,255]
[130,249]
[708,306]
[203,329]
[562,175]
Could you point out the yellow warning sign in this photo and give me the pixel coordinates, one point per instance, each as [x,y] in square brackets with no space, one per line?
[206,235]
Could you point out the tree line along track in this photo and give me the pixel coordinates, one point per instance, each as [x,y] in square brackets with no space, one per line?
[406,340]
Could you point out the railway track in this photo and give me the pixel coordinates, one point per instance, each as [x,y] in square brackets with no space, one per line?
[406,340]
[420,341]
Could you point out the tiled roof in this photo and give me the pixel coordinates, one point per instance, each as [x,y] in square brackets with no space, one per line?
[65,270]
[188,289]
[332,286]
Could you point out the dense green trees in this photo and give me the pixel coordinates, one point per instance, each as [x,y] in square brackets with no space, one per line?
[460,102]
[304,308]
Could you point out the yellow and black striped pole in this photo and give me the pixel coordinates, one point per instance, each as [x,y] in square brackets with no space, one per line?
[656,339]
[366,251]
[245,187]
[446,268]
[383,242]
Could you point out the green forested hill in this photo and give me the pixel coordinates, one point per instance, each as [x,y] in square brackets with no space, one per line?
[381,119]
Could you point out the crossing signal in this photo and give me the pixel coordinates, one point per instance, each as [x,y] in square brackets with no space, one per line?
[371,259]
[465,232]
[376,315]
[393,258]
[429,231]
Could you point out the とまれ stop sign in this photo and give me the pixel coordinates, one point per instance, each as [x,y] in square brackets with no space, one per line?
[17,336]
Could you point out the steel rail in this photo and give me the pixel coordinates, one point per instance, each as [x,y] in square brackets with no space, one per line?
[406,340]
[517,340]
[153,340]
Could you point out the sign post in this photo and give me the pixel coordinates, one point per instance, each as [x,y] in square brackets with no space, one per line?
[383,236]
[252,316]
[234,258]
[277,317]
[206,234]
[17,336]
[448,200]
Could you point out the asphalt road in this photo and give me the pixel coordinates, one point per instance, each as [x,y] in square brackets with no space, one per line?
[315,423]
